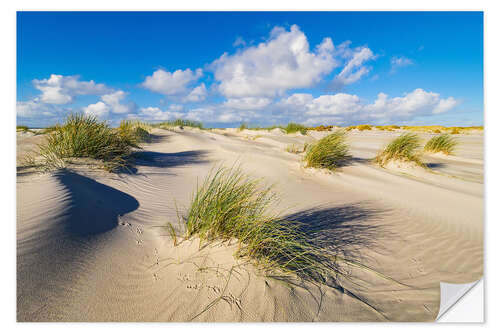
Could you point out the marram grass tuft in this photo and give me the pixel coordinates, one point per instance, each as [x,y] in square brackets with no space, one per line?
[364,127]
[135,131]
[178,122]
[296,148]
[83,136]
[443,143]
[294,128]
[403,148]
[230,206]
[329,152]
[22,128]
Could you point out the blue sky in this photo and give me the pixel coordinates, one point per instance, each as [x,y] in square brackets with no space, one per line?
[262,68]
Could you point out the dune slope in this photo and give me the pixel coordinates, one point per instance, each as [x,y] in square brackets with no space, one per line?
[92,246]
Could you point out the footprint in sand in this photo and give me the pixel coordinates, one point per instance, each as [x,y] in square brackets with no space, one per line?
[125,224]
[138,230]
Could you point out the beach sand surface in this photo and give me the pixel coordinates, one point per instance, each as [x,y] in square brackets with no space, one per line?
[93,246]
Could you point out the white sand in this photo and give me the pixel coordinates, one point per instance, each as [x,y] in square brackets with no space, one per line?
[91,246]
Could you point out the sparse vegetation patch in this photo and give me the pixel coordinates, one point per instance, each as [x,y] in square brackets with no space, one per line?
[85,136]
[294,128]
[364,127]
[329,152]
[21,128]
[135,130]
[443,143]
[296,148]
[232,206]
[403,148]
[321,128]
[178,122]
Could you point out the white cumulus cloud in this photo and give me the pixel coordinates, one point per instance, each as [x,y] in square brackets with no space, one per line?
[417,102]
[34,108]
[339,108]
[334,105]
[347,108]
[297,100]
[445,105]
[198,94]
[59,89]
[98,109]
[110,103]
[247,103]
[156,114]
[283,62]
[114,101]
[174,83]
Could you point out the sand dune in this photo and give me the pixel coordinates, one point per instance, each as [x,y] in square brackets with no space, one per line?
[92,246]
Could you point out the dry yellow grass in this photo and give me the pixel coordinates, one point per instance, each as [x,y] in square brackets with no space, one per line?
[422,129]
[364,127]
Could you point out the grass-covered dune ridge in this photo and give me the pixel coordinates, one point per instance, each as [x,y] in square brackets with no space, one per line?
[443,143]
[178,122]
[403,148]
[230,205]
[290,128]
[137,131]
[22,128]
[85,136]
[294,128]
[329,152]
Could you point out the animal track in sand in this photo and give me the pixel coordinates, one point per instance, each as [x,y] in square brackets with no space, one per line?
[195,286]
[157,263]
[184,277]
[418,262]
[214,289]
[125,224]
[232,300]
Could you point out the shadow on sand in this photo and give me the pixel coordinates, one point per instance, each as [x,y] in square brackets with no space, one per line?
[94,207]
[156,138]
[350,160]
[52,257]
[345,229]
[435,166]
[155,159]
